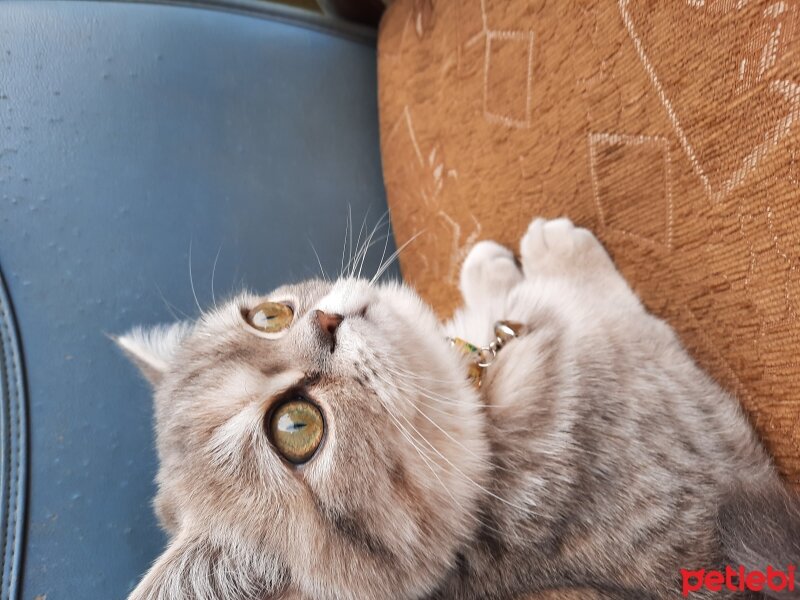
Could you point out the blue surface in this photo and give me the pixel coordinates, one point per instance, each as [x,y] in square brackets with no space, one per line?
[129,132]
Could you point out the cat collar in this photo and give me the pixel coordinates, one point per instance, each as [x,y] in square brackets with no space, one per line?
[482,357]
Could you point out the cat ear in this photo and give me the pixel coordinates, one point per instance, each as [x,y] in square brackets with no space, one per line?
[152,349]
[194,567]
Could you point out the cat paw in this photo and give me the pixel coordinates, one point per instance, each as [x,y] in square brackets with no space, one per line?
[489,270]
[558,247]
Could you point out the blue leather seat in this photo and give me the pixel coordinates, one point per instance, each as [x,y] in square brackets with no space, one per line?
[139,142]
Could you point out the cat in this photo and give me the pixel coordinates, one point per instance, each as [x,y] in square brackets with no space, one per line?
[324,442]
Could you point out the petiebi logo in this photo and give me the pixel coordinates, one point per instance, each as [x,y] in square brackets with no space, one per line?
[739,580]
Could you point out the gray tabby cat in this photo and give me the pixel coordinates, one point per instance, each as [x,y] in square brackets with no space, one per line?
[323,442]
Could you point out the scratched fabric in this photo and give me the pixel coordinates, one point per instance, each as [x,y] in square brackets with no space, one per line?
[669,128]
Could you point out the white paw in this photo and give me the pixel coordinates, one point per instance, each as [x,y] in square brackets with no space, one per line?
[557,246]
[489,270]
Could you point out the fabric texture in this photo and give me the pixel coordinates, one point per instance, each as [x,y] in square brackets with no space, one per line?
[670,129]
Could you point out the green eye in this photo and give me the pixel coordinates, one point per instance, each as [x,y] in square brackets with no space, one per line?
[296,429]
[270,317]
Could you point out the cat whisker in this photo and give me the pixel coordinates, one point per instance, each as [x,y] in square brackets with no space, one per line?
[344,247]
[406,373]
[362,249]
[438,397]
[354,258]
[213,273]
[428,461]
[191,279]
[426,404]
[420,449]
[350,219]
[416,389]
[414,444]
[170,307]
[359,257]
[488,464]
[386,243]
[484,489]
[368,242]
[319,262]
[382,268]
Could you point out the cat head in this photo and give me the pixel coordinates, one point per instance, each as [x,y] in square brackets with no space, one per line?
[321,441]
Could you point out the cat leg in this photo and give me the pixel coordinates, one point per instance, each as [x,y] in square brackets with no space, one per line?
[489,272]
[556,248]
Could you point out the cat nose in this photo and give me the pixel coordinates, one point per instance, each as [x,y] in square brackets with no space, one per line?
[328,324]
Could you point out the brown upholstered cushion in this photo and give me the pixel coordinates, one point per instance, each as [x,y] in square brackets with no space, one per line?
[671,129]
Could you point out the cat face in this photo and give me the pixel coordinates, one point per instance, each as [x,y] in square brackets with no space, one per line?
[332,451]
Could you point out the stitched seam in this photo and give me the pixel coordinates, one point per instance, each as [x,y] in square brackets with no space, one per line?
[508,35]
[18,397]
[789,89]
[636,237]
[11,533]
[620,139]
[6,492]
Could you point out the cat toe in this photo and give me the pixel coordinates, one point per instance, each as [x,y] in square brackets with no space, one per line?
[489,269]
[557,245]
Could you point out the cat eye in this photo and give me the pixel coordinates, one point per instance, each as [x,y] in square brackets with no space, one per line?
[296,428]
[270,317]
